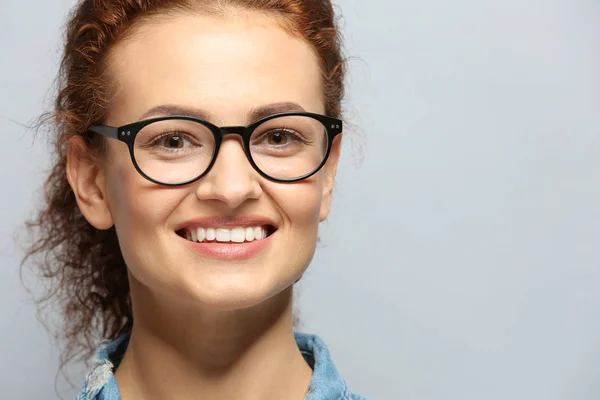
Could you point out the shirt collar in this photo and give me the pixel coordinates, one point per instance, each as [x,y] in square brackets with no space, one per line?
[326,382]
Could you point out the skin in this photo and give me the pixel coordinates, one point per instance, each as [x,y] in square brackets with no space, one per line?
[222,329]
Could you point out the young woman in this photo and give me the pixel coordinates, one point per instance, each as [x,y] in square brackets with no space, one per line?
[196,150]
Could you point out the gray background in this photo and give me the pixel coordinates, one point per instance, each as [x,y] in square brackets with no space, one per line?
[462,259]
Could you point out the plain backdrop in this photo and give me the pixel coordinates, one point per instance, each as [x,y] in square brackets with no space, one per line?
[462,258]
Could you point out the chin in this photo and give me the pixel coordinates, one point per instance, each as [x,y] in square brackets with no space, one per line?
[229,293]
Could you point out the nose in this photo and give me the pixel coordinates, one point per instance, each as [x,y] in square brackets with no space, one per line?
[231,180]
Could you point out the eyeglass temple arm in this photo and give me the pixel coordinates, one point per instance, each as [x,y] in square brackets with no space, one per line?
[107,131]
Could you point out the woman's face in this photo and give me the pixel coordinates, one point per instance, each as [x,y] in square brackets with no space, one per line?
[226,68]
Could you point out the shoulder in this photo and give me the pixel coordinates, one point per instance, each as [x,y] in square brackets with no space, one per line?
[348,395]
[100,383]
[326,383]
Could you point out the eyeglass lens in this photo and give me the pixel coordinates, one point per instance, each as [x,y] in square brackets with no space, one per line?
[174,151]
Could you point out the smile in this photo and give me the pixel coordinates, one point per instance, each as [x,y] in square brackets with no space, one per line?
[232,243]
[240,234]
[225,238]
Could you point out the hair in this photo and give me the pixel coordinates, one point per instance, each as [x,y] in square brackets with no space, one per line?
[82,268]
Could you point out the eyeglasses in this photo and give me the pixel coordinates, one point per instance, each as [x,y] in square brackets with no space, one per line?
[178,150]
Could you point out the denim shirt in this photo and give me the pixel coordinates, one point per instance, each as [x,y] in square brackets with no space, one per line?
[326,382]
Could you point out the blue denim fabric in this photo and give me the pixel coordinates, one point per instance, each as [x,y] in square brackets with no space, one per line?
[326,382]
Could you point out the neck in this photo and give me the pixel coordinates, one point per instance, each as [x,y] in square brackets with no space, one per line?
[181,352]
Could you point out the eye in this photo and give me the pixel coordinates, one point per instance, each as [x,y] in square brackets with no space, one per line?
[173,141]
[281,137]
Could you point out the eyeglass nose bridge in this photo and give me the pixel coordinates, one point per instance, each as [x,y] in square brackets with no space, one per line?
[233,130]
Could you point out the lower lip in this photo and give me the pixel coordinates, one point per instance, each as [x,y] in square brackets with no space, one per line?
[229,251]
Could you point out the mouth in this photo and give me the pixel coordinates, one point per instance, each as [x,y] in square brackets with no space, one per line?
[232,234]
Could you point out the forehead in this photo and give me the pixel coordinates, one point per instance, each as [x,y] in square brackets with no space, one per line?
[224,65]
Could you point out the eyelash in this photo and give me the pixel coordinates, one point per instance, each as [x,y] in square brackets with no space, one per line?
[165,134]
[296,135]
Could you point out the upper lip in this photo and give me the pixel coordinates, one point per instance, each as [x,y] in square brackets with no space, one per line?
[226,222]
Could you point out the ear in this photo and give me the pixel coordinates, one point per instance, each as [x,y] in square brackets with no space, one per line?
[330,170]
[86,178]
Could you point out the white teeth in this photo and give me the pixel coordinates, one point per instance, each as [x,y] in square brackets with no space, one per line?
[263,234]
[225,235]
[249,234]
[238,235]
[211,234]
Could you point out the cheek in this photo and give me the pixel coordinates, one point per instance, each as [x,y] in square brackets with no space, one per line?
[139,209]
[300,203]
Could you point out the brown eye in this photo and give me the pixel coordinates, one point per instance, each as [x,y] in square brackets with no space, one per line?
[278,138]
[173,142]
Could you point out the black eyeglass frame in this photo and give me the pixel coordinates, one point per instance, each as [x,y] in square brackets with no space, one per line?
[127,134]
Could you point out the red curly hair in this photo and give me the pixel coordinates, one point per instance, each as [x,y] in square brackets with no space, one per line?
[82,267]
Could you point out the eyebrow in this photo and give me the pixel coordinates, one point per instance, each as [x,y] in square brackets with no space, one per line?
[171,110]
[270,109]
